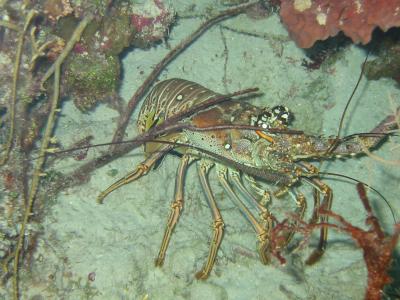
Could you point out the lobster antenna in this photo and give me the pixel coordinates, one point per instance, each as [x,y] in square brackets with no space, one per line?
[168,125]
[335,143]
[369,134]
[352,95]
[143,138]
[365,184]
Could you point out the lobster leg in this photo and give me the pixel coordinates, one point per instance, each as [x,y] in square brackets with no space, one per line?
[236,178]
[218,225]
[301,208]
[139,171]
[262,232]
[326,204]
[176,208]
[265,214]
[265,195]
[327,193]
[317,205]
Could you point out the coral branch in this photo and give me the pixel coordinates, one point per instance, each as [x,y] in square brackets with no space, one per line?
[39,164]
[17,63]
[376,246]
[310,20]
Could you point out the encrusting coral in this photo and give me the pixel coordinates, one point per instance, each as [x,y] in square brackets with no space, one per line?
[310,20]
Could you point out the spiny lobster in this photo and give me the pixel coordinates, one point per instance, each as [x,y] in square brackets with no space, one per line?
[267,151]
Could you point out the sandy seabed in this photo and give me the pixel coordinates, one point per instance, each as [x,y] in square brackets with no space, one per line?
[117,242]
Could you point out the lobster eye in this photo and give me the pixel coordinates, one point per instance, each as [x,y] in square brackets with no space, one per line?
[282,114]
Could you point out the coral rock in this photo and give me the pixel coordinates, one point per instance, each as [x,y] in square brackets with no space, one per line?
[387,64]
[117,33]
[55,9]
[90,78]
[310,20]
[151,21]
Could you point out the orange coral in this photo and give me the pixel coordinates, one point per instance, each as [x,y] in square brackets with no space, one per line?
[310,20]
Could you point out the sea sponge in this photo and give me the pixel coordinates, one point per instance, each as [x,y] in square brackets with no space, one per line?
[310,20]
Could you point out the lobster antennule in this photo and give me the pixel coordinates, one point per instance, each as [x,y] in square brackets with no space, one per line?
[354,144]
[359,142]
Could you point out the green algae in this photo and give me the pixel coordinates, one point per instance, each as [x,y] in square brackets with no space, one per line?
[91,77]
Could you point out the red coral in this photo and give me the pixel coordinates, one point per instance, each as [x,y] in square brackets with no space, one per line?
[80,48]
[141,22]
[310,20]
[376,246]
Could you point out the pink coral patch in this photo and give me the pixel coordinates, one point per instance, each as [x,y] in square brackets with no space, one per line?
[141,22]
[310,20]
